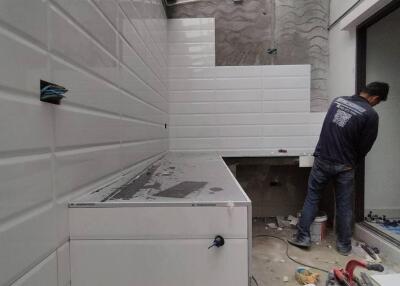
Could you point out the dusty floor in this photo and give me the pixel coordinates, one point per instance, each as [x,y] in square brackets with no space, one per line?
[270,263]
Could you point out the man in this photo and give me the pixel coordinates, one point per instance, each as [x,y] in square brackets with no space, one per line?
[348,133]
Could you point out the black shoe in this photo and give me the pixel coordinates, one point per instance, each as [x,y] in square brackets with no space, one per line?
[302,243]
[345,251]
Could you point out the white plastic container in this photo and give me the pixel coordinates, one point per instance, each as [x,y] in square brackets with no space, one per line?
[318,228]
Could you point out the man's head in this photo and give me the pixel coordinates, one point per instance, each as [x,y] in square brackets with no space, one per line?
[375,92]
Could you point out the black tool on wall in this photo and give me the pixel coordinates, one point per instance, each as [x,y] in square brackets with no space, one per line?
[51,93]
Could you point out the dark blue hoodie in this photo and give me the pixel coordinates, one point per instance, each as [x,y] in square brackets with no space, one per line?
[349,131]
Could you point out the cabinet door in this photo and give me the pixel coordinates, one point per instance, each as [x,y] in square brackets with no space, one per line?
[158,263]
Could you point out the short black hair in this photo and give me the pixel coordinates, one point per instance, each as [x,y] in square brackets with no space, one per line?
[377,88]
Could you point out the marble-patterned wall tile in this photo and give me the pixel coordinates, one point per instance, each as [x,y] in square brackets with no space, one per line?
[302,38]
[244,33]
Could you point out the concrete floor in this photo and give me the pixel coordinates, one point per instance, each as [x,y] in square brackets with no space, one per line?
[270,263]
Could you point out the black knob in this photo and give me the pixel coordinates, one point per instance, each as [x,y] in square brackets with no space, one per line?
[218,242]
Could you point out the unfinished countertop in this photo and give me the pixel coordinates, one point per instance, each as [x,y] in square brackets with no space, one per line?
[200,179]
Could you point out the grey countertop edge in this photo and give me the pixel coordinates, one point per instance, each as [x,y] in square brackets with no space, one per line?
[159,204]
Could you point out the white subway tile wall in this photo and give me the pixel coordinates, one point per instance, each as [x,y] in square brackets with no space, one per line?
[235,110]
[112,56]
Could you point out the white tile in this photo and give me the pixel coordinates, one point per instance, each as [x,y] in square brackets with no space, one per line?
[238,107]
[131,35]
[191,49]
[286,70]
[288,142]
[241,131]
[24,124]
[61,216]
[25,183]
[191,36]
[28,17]
[241,142]
[22,65]
[85,89]
[132,107]
[286,106]
[45,273]
[285,118]
[138,88]
[286,82]
[192,60]
[238,71]
[135,15]
[133,131]
[133,153]
[109,9]
[238,83]
[192,108]
[291,130]
[133,61]
[194,132]
[63,265]
[286,94]
[239,95]
[192,96]
[193,144]
[77,168]
[191,24]
[68,41]
[77,127]
[191,84]
[192,119]
[240,119]
[191,72]
[24,242]
[89,18]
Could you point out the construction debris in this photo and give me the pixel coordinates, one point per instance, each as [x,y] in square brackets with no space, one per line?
[282,222]
[293,220]
[285,279]
[305,276]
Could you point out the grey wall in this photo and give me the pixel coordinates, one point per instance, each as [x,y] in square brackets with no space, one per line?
[382,183]
[298,29]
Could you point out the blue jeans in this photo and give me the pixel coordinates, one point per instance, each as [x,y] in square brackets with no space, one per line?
[321,173]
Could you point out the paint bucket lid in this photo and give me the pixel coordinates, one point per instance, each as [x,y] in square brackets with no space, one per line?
[321,217]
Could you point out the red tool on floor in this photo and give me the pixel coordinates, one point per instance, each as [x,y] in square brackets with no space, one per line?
[346,276]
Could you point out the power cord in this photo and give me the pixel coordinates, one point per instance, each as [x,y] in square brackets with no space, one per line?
[254,279]
[287,254]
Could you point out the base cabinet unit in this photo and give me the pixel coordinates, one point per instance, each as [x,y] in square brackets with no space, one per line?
[158,262]
[192,227]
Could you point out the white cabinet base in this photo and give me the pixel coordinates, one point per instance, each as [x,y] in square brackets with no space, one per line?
[158,263]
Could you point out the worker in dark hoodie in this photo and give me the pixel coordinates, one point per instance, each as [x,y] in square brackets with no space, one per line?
[348,133]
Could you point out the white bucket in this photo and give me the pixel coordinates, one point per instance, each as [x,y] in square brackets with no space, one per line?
[318,228]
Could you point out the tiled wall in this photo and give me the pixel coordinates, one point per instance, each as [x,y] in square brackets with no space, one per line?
[112,57]
[246,30]
[239,111]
